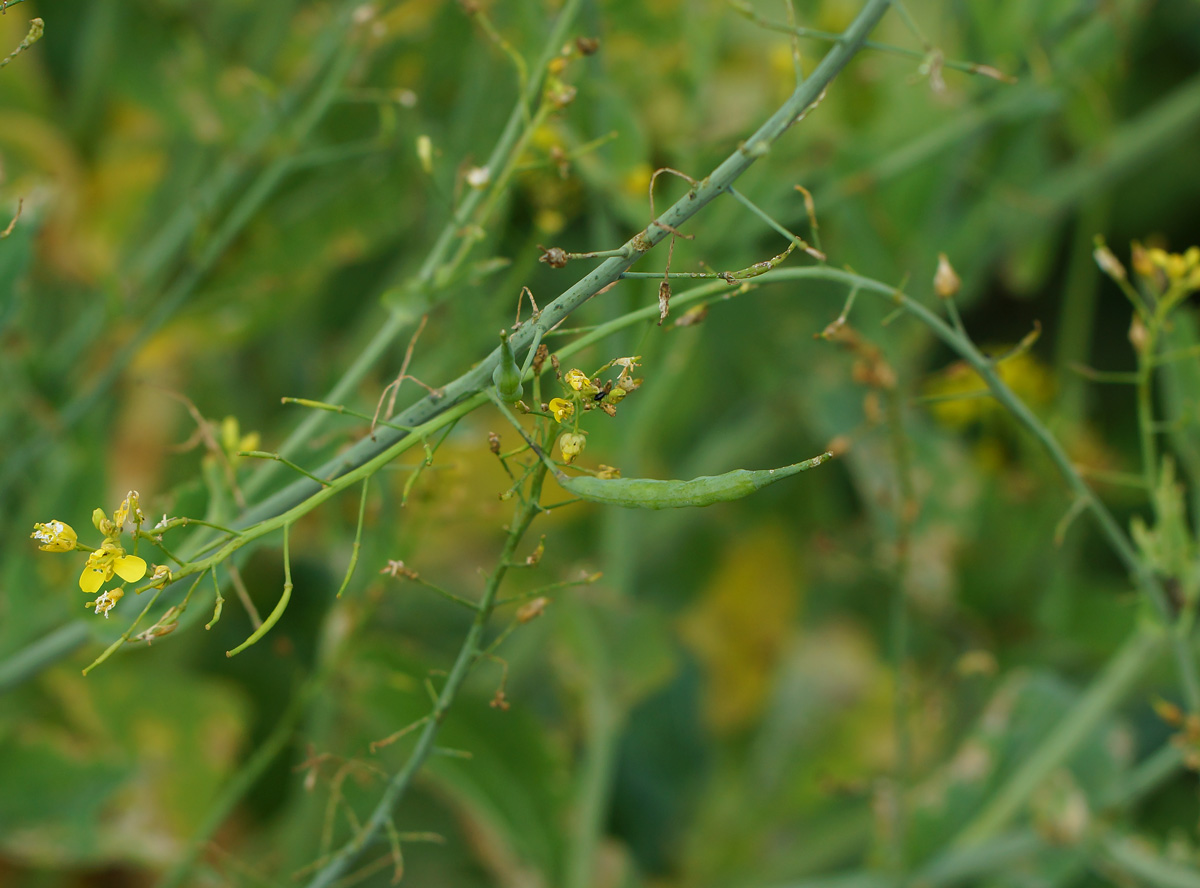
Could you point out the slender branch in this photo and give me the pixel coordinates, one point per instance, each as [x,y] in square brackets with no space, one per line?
[468,654]
[462,395]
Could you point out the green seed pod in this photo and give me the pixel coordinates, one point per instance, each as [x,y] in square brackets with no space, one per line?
[507,375]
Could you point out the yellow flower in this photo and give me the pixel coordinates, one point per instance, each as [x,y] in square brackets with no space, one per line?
[562,409]
[106,601]
[1176,266]
[110,559]
[576,379]
[54,536]
[571,445]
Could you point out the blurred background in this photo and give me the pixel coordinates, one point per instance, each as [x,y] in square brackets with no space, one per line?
[221,204]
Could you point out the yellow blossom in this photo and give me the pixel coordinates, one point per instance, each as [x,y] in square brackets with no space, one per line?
[577,379]
[562,409]
[54,536]
[570,445]
[110,559]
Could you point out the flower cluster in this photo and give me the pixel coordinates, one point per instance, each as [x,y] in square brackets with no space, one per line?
[584,392]
[107,561]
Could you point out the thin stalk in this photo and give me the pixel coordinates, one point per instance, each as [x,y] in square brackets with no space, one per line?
[464,392]
[1077,724]
[503,155]
[468,655]
[238,785]
[189,279]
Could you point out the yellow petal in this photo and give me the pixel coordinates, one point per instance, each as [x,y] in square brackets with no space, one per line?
[91,579]
[130,568]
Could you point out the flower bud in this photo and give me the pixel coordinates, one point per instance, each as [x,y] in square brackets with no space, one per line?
[570,445]
[945,280]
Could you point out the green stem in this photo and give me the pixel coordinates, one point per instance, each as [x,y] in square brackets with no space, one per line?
[468,655]
[1075,726]
[503,156]
[300,496]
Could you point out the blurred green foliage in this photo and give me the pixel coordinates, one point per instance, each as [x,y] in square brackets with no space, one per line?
[226,201]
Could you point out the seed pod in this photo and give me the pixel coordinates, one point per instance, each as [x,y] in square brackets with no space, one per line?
[507,375]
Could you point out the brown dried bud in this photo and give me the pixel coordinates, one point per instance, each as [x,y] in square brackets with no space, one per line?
[587,45]
[945,281]
[539,358]
[532,610]
[664,301]
[555,257]
[839,445]
[557,369]
[694,315]
[1138,336]
[494,443]
[534,557]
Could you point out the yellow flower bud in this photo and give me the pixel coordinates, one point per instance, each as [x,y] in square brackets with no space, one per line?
[570,445]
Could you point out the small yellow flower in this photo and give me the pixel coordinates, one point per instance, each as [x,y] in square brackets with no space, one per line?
[562,409]
[106,601]
[576,379]
[570,445]
[54,536]
[110,559]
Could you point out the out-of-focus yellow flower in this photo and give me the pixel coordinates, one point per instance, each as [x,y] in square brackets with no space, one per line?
[1155,264]
[964,396]
[636,182]
[54,536]
[562,409]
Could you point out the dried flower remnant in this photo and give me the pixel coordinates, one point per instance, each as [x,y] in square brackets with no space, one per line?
[555,257]
[532,610]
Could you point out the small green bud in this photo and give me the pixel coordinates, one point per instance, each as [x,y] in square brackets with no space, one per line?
[507,375]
